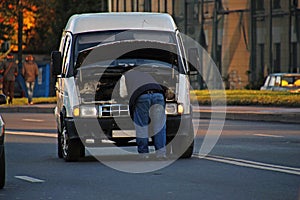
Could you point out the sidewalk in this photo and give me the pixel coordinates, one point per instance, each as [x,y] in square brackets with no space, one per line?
[250,113]
[35,108]
[256,113]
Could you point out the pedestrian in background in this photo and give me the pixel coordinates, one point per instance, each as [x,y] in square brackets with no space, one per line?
[147,107]
[9,70]
[30,72]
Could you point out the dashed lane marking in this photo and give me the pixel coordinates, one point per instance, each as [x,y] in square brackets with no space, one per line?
[29,179]
[33,120]
[269,135]
[251,164]
[31,134]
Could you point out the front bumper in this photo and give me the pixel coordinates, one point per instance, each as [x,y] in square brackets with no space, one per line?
[98,129]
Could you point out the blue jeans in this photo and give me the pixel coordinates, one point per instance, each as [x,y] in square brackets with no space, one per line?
[149,114]
[30,87]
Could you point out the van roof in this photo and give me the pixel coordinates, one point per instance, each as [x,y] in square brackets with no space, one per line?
[90,22]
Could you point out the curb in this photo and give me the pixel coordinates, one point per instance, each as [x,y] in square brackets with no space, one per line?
[28,109]
[265,117]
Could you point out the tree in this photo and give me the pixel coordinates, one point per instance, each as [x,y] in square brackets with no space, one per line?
[7,24]
[43,21]
[9,15]
[52,16]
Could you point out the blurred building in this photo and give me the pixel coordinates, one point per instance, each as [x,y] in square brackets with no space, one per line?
[247,39]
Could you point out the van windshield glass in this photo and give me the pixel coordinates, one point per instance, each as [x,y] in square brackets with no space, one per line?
[88,40]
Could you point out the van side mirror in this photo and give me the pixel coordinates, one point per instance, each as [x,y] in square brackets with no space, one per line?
[56,62]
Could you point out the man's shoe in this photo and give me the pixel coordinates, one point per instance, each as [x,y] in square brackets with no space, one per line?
[161,157]
[144,156]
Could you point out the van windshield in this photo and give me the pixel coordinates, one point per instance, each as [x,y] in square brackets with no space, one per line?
[88,40]
[136,47]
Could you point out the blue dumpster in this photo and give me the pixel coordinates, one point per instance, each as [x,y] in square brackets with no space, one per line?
[42,83]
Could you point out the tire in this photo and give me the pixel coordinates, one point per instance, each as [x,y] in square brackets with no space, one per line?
[2,169]
[183,146]
[59,147]
[71,149]
[189,152]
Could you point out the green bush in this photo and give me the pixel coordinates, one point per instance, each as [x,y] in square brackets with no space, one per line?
[40,100]
[248,97]
[228,97]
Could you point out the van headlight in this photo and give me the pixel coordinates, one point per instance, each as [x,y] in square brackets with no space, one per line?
[85,111]
[180,109]
[174,109]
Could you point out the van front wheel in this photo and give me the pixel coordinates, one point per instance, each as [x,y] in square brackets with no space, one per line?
[71,149]
[183,146]
[2,169]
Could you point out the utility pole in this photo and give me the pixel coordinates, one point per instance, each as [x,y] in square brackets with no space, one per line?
[252,75]
[270,37]
[185,16]
[290,36]
[20,32]
[202,39]
[215,35]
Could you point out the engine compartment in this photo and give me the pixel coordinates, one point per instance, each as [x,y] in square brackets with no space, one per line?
[101,85]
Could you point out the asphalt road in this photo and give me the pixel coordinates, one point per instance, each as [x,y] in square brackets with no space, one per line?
[251,160]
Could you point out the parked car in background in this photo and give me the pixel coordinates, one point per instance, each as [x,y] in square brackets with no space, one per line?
[2,154]
[282,82]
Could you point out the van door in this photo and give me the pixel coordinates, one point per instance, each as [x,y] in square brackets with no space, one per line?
[65,48]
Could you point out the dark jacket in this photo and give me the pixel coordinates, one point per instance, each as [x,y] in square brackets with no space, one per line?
[10,71]
[138,83]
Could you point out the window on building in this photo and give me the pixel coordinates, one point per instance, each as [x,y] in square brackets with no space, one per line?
[124,6]
[296,3]
[147,6]
[189,18]
[260,5]
[219,58]
[133,5]
[261,60]
[276,4]
[277,58]
[294,58]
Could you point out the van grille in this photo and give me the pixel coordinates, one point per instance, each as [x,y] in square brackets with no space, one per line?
[114,110]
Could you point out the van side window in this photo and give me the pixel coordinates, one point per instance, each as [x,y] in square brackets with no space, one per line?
[66,54]
[183,61]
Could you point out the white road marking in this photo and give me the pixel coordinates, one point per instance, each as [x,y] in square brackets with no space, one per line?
[252,164]
[30,179]
[33,120]
[52,135]
[269,135]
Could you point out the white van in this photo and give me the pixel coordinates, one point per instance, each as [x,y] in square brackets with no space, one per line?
[95,50]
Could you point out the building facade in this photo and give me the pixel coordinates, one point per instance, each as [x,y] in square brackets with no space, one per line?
[247,39]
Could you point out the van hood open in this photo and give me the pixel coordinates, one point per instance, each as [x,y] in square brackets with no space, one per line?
[128,49]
